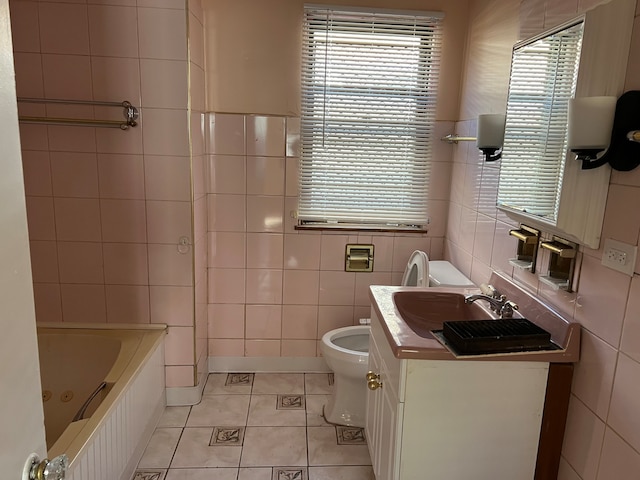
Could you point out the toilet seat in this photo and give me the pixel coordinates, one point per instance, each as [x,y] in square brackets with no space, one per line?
[349,344]
[416,274]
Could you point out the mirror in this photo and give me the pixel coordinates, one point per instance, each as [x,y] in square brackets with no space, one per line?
[543,79]
[541,183]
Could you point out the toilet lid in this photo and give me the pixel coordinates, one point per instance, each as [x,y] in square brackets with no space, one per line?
[416,274]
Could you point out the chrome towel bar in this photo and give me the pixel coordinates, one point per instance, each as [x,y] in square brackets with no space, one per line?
[130,114]
[452,138]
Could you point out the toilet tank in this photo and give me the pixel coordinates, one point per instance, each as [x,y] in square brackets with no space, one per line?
[444,274]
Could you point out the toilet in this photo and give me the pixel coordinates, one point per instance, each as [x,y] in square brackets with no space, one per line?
[346,350]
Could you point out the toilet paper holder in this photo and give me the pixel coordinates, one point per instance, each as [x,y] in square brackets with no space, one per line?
[358,258]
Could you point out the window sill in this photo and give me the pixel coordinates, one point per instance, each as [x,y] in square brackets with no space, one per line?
[361,227]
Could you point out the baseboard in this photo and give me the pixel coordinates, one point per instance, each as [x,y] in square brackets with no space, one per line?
[268,364]
[183,396]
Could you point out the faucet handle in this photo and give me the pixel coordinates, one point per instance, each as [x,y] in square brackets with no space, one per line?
[507,309]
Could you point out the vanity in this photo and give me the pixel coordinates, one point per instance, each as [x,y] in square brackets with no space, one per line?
[435,414]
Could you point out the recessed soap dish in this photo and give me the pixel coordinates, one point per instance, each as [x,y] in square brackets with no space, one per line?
[527,248]
[562,260]
[521,264]
[555,283]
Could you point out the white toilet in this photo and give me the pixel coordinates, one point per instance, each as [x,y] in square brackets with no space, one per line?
[346,350]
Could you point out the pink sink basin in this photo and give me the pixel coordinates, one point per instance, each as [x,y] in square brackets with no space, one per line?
[425,311]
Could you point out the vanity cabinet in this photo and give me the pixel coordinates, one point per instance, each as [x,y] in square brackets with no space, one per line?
[452,419]
[383,411]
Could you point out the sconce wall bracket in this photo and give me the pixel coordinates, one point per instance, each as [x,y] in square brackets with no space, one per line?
[624,151]
[492,154]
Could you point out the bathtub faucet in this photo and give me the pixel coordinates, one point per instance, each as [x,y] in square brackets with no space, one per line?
[497,302]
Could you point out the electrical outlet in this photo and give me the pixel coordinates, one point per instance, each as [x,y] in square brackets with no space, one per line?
[619,256]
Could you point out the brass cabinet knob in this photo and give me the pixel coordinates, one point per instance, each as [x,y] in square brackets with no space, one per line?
[374,384]
[372,376]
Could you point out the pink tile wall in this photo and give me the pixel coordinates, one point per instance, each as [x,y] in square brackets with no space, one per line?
[109,210]
[274,290]
[602,439]
[477,233]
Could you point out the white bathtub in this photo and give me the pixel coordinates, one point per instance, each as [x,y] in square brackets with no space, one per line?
[75,360]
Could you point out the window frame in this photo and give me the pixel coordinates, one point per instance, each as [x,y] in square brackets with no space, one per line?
[425,106]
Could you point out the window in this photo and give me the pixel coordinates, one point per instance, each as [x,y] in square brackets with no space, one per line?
[369,88]
[543,78]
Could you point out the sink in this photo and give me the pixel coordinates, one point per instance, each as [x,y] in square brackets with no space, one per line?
[425,311]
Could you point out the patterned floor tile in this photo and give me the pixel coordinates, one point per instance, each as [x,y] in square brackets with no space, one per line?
[325,451]
[268,446]
[350,435]
[283,383]
[289,473]
[194,451]
[239,379]
[290,402]
[228,436]
[149,475]
[217,385]
[264,411]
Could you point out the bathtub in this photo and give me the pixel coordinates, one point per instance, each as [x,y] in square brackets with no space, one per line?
[103,392]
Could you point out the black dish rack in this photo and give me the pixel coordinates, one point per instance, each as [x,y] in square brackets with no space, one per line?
[477,337]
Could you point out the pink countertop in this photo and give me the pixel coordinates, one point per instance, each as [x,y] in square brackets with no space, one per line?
[407,344]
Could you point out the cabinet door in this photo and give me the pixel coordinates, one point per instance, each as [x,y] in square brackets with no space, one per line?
[390,433]
[374,404]
[383,420]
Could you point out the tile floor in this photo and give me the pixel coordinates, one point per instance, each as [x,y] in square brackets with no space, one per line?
[261,426]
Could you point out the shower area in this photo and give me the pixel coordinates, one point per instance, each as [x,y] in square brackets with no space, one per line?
[117,217]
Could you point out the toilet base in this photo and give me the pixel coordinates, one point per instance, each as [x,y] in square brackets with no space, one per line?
[347,404]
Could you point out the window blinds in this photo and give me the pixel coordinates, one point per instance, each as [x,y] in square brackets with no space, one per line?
[369,85]
[543,79]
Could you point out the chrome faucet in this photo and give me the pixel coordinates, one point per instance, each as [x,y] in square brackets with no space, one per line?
[498,303]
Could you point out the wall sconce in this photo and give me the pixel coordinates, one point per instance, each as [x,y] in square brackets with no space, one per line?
[590,120]
[491,135]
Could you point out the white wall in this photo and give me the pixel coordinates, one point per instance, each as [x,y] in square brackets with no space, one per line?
[21,417]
